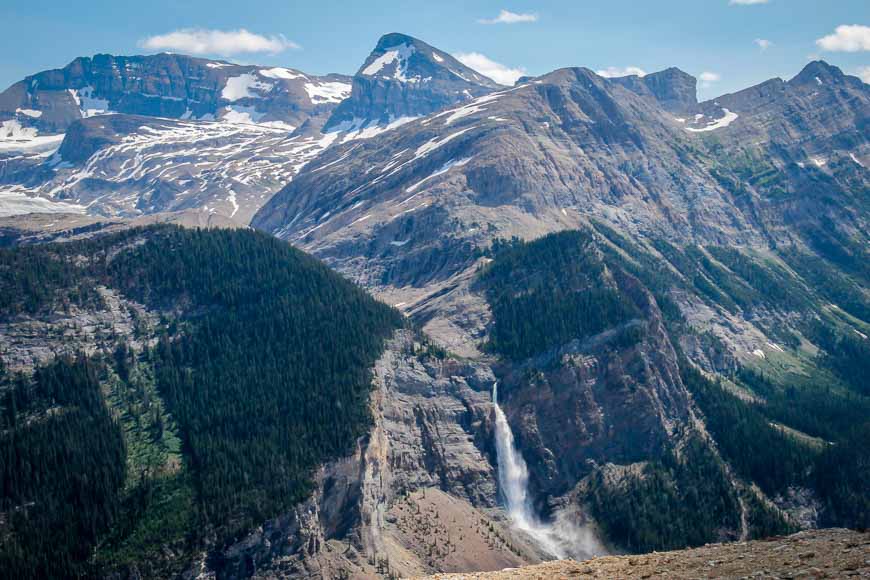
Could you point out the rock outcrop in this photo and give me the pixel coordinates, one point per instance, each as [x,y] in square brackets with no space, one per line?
[673,89]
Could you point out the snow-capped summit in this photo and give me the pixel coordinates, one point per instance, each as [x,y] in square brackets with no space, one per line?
[403,78]
[406,59]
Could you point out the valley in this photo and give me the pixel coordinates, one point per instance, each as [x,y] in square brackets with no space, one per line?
[258,323]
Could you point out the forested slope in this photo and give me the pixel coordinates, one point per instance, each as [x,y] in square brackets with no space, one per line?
[572,319]
[247,367]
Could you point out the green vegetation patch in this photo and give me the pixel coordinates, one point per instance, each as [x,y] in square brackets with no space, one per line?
[546,293]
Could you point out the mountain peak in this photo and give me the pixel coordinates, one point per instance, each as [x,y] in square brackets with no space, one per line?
[404,77]
[403,58]
[674,89]
[395,38]
[817,71]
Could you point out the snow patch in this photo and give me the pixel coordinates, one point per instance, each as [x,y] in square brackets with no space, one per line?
[444,169]
[13,130]
[237,114]
[759,353]
[232,199]
[240,87]
[855,159]
[29,112]
[19,203]
[435,143]
[471,108]
[327,92]
[281,73]
[90,105]
[397,54]
[728,118]
[361,129]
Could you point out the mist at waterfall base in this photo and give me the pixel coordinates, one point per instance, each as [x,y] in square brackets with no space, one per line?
[561,538]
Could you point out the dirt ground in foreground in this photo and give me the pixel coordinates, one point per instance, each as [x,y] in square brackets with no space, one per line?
[833,553]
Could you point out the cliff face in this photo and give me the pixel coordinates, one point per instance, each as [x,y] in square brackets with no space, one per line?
[417,496]
[595,401]
[673,89]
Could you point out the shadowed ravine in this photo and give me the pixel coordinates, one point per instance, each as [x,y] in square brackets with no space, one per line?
[561,538]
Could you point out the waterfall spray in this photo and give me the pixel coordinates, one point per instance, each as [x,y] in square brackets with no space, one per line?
[560,540]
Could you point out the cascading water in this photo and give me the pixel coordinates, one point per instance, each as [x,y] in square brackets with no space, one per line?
[560,540]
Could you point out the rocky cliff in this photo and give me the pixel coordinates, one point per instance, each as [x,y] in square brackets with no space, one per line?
[418,495]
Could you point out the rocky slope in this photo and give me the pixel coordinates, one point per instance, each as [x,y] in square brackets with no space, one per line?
[817,554]
[404,212]
[128,166]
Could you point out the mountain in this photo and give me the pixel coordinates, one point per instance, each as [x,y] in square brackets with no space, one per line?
[725,251]
[549,154]
[524,161]
[167,85]
[633,322]
[110,464]
[404,78]
[132,136]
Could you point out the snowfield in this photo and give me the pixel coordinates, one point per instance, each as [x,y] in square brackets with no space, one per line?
[240,87]
[728,118]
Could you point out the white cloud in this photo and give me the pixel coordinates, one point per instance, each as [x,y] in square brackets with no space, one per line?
[498,72]
[763,43]
[615,71]
[847,38]
[707,79]
[508,17]
[220,42]
[864,74]
[747,2]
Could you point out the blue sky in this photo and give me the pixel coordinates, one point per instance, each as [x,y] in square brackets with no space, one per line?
[722,38]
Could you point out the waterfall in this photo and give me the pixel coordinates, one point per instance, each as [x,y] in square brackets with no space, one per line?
[561,539]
